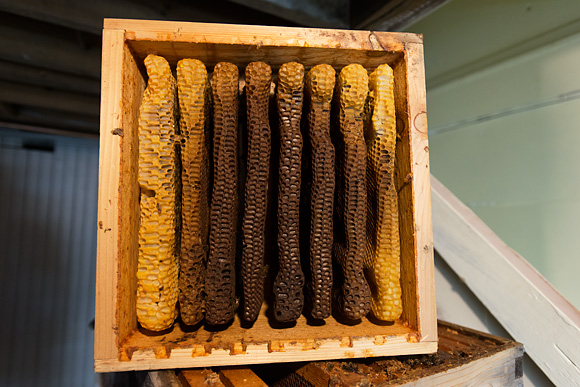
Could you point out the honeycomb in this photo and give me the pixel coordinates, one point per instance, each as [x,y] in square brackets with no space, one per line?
[319,88]
[193,90]
[289,282]
[220,273]
[353,297]
[383,251]
[159,181]
[258,81]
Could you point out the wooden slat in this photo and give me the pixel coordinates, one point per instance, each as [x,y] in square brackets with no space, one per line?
[263,36]
[264,343]
[413,183]
[106,337]
[241,377]
[200,377]
[118,199]
[527,306]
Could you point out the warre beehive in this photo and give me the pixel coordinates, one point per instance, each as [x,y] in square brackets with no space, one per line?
[119,342]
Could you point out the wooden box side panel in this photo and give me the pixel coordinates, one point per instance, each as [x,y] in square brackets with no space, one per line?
[240,44]
[260,36]
[421,193]
[129,211]
[412,182]
[406,203]
[122,86]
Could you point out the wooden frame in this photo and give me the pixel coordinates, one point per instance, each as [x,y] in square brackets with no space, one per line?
[468,357]
[523,302]
[119,345]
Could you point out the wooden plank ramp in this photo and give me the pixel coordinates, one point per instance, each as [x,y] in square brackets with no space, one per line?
[519,297]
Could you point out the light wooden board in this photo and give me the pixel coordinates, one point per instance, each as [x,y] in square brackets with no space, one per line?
[498,370]
[465,357]
[264,343]
[240,377]
[420,192]
[200,377]
[106,343]
[528,307]
[118,206]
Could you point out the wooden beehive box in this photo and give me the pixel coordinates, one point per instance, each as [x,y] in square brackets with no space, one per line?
[119,344]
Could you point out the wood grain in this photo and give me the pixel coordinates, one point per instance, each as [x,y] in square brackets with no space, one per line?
[264,343]
[421,194]
[200,377]
[465,357]
[526,305]
[118,206]
[241,377]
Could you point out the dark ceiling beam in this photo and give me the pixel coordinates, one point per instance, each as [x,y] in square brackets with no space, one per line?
[17,93]
[393,15]
[7,110]
[47,130]
[61,53]
[81,15]
[32,75]
[312,13]
[56,119]
[88,15]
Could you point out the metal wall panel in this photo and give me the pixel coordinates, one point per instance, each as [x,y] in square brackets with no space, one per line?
[48,209]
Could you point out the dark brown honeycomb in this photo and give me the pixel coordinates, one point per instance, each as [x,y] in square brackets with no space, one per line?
[354,296]
[258,81]
[319,87]
[289,282]
[193,88]
[220,274]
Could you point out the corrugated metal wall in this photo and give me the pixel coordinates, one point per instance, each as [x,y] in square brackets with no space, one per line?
[48,209]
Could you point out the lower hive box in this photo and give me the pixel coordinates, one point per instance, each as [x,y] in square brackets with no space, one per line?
[120,343]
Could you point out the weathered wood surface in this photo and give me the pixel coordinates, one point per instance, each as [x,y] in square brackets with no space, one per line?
[527,306]
[465,357]
[200,377]
[238,377]
[118,203]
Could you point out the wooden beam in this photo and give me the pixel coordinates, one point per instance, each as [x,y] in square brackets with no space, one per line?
[17,93]
[47,130]
[527,305]
[49,118]
[393,15]
[37,76]
[312,13]
[88,15]
[240,377]
[45,50]
[199,377]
